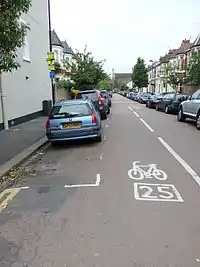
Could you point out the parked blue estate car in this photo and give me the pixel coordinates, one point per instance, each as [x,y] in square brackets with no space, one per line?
[73,119]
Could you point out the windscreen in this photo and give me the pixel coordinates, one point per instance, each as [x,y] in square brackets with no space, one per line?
[73,110]
[91,96]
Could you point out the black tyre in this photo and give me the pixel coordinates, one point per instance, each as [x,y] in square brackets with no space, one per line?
[167,109]
[180,116]
[55,144]
[198,121]
[99,139]
[157,107]
[104,116]
[108,111]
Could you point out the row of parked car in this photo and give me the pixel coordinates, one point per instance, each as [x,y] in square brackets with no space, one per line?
[79,118]
[185,105]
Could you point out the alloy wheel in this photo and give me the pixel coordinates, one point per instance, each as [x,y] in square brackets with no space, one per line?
[198,122]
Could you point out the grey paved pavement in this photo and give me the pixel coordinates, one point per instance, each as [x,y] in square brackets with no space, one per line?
[20,137]
[149,217]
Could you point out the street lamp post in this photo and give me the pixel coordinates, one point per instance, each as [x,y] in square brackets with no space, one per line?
[50,49]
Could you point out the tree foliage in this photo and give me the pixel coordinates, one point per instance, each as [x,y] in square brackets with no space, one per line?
[106,83]
[140,74]
[123,87]
[85,72]
[64,84]
[12,32]
[194,69]
[174,76]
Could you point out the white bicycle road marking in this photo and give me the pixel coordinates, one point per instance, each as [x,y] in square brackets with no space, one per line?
[138,172]
[96,184]
[156,192]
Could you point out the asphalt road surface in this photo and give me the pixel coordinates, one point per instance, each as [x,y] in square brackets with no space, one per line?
[131,201]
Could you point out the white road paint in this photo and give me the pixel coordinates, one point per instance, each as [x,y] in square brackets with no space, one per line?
[105,138]
[143,121]
[181,161]
[97,183]
[136,114]
[156,192]
[101,156]
[150,171]
[18,188]
[98,179]
[130,108]
[106,125]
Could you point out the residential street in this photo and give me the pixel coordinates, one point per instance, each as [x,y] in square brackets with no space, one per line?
[82,206]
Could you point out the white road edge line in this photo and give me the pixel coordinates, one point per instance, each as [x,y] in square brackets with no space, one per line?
[136,114]
[97,183]
[147,125]
[130,108]
[181,161]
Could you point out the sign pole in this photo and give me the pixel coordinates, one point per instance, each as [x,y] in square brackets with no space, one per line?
[50,49]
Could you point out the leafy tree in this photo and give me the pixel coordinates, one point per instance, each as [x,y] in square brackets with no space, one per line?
[106,83]
[194,69]
[175,77]
[58,68]
[64,84]
[12,32]
[123,87]
[140,74]
[85,72]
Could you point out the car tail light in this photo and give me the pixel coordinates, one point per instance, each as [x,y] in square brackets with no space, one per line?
[48,124]
[100,99]
[94,118]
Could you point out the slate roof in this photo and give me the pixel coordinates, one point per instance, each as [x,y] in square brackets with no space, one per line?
[55,39]
[197,41]
[185,46]
[67,49]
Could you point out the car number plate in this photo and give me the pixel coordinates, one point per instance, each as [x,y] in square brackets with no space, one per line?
[72,125]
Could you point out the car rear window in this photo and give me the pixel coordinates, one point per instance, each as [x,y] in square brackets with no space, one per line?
[91,96]
[68,111]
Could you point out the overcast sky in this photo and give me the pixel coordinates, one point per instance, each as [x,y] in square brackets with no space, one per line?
[121,30]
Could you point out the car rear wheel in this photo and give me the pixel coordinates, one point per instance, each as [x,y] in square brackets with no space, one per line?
[167,109]
[99,138]
[198,121]
[55,143]
[104,116]
[181,116]
[108,111]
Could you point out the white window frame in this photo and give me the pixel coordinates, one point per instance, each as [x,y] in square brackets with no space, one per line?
[26,48]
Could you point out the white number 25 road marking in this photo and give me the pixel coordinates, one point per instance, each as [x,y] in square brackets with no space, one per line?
[156,192]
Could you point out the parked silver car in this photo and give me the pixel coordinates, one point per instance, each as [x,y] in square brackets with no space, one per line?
[190,109]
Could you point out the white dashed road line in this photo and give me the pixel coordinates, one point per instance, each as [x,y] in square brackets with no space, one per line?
[181,161]
[136,114]
[130,108]
[143,121]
